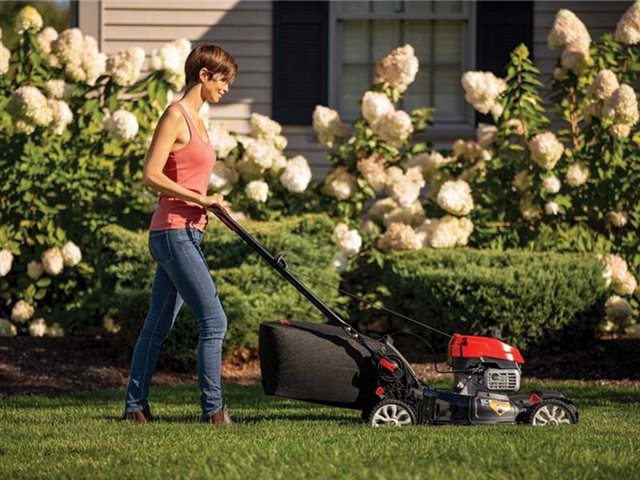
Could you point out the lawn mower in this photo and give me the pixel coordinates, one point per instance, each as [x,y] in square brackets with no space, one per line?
[333,364]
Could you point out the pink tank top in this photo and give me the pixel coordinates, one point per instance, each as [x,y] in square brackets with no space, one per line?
[190,166]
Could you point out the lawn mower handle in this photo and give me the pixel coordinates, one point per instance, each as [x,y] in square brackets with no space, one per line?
[280,265]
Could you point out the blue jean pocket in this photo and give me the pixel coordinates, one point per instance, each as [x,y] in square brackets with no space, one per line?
[159,246]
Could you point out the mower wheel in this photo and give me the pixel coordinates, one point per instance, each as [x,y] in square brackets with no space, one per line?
[553,412]
[392,412]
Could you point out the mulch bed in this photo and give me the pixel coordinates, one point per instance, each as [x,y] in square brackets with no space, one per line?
[72,364]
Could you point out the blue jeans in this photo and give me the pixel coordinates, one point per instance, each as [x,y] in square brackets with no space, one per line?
[182,276]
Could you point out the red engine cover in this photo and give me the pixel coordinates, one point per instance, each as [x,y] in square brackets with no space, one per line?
[471,346]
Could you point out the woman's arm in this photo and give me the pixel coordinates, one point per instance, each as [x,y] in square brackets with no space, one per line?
[163,139]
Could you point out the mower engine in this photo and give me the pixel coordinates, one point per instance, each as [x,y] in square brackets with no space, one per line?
[482,363]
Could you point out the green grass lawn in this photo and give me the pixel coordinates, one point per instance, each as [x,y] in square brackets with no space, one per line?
[82,436]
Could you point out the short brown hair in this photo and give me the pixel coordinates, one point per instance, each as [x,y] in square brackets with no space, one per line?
[214,59]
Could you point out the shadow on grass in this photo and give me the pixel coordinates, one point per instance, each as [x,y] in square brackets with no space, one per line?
[247,419]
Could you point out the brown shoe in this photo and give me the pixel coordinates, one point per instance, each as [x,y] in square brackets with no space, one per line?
[220,417]
[137,417]
[142,416]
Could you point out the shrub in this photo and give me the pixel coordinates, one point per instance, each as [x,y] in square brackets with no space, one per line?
[533,299]
[250,290]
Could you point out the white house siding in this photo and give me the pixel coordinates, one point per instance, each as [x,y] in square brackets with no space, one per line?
[244,28]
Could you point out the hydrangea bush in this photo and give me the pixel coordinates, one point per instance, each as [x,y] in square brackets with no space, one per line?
[255,176]
[523,182]
[75,126]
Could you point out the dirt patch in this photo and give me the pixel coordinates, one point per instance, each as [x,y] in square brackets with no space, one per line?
[71,364]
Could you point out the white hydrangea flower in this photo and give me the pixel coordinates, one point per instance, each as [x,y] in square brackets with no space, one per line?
[622,281]
[482,90]
[455,197]
[348,240]
[429,161]
[259,153]
[568,29]
[67,47]
[412,215]
[62,115]
[58,89]
[373,171]
[296,175]
[6,260]
[486,134]
[574,57]
[528,209]
[5,57]
[376,105]
[328,126]
[71,254]
[223,178]
[263,127]
[93,62]
[54,330]
[604,85]
[37,327]
[399,68]
[23,126]
[340,184]
[221,140]
[122,125]
[618,219]
[109,325]
[394,128]
[279,162]
[620,130]
[399,237]
[382,207]
[28,19]
[627,285]
[618,310]
[446,232]
[551,208]
[28,104]
[45,38]
[628,27]
[21,311]
[551,184]
[279,142]
[34,269]
[170,58]
[124,67]
[53,261]
[257,190]
[621,106]
[7,329]
[516,125]
[546,150]
[404,187]
[577,174]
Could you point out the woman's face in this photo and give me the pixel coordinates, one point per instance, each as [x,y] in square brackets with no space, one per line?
[213,88]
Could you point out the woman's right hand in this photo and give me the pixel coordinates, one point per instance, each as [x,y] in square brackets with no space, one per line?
[208,200]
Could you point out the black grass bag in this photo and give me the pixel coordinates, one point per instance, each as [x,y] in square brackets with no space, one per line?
[316,363]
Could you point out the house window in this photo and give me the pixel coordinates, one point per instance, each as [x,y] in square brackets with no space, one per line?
[442,34]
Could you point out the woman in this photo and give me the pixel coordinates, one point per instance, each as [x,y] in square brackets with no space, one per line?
[179,163]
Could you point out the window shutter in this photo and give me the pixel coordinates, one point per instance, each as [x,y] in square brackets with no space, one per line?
[501,27]
[300,59]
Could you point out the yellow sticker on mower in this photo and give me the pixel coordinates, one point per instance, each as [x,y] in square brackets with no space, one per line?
[499,406]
